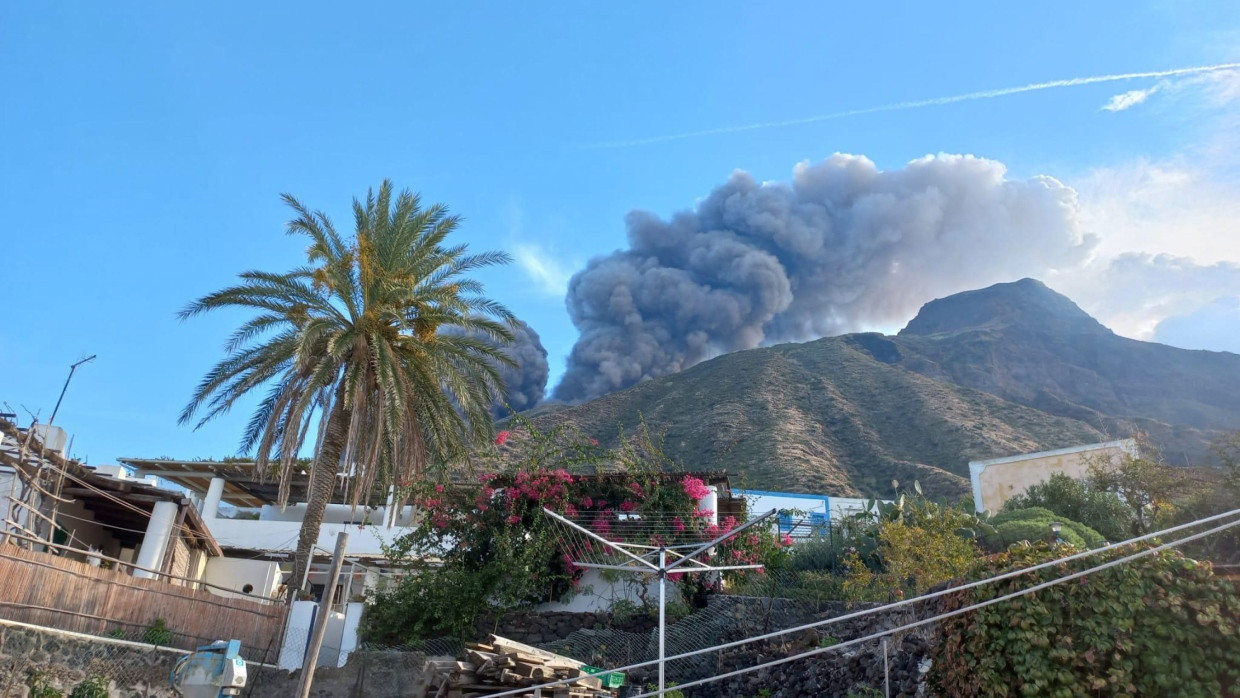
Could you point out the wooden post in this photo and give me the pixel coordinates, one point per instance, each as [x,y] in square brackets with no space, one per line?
[320,619]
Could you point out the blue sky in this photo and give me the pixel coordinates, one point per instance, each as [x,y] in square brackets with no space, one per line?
[144,148]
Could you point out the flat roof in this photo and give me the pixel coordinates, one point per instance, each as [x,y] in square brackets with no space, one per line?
[244,485]
[1126,444]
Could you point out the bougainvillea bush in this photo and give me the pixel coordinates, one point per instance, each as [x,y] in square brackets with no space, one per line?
[1162,625]
[485,547]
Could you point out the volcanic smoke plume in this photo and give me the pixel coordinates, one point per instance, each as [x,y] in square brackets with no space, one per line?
[527,381]
[842,247]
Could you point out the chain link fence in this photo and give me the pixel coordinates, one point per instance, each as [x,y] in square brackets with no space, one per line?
[39,662]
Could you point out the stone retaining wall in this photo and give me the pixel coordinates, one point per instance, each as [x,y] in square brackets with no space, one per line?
[141,671]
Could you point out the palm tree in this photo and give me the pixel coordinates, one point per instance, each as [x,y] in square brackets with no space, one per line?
[354,343]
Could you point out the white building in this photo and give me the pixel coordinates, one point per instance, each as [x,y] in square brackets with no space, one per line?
[258,536]
[57,505]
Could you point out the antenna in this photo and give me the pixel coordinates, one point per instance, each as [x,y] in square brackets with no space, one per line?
[62,390]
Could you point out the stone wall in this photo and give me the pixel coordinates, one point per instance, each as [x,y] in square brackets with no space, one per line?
[536,628]
[136,670]
[141,671]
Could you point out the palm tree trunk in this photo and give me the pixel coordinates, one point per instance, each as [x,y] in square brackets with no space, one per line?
[322,484]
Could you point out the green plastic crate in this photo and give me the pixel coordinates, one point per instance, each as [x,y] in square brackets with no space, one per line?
[610,679]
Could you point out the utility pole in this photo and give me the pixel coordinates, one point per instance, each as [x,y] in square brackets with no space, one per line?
[320,618]
[62,390]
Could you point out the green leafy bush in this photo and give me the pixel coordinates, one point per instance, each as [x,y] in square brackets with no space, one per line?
[1163,625]
[158,633]
[1033,525]
[1078,500]
[92,687]
[40,684]
[490,549]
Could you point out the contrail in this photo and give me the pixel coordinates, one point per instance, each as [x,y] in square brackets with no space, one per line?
[936,101]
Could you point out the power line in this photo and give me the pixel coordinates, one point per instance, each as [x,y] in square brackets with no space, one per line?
[925,597]
[960,611]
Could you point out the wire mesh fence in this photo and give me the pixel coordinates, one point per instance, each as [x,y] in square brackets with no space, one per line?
[44,663]
[125,659]
[626,633]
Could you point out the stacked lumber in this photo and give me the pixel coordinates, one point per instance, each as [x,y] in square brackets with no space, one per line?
[502,665]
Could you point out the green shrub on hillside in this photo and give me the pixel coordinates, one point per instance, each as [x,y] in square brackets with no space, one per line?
[1034,525]
[1078,500]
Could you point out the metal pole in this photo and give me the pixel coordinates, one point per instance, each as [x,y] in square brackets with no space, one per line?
[662,616]
[320,619]
[62,390]
[886,671]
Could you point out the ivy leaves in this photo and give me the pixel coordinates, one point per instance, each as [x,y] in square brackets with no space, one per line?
[1161,626]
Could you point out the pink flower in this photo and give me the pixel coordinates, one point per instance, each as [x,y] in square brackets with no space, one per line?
[501,437]
[678,525]
[694,487]
[587,503]
[514,519]
[439,488]
[593,442]
[675,576]
[786,540]
[627,505]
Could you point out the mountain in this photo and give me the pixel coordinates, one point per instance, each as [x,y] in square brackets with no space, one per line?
[1028,344]
[1008,369]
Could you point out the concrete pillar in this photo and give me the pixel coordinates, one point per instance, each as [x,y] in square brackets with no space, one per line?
[215,492]
[711,503]
[155,542]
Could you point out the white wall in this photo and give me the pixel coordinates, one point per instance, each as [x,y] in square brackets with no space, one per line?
[233,573]
[336,513]
[10,485]
[365,541]
[997,480]
[8,480]
[598,594]
[297,635]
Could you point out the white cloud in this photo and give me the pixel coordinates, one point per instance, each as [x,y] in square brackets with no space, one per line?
[1131,98]
[1169,236]
[1177,206]
[1213,90]
[550,275]
[1188,75]
[1215,326]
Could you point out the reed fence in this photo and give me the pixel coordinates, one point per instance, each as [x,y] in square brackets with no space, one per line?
[52,591]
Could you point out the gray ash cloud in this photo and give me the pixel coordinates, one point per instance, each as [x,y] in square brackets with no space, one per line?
[526,382]
[843,246]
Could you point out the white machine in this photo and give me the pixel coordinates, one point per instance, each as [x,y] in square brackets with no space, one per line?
[213,671]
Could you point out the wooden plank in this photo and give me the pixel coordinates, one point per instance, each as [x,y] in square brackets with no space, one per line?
[549,658]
